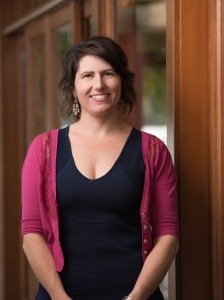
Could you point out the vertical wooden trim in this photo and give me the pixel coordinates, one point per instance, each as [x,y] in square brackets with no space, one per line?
[1,179]
[216,151]
[48,73]
[76,20]
[11,171]
[192,148]
[108,18]
[20,46]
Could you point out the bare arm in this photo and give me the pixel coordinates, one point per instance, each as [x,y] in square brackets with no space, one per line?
[155,267]
[42,263]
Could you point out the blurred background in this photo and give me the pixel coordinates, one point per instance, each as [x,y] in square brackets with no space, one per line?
[174,49]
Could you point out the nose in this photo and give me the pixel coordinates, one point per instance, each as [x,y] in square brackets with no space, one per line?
[99,82]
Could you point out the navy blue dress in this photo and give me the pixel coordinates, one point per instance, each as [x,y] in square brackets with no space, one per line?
[100,226]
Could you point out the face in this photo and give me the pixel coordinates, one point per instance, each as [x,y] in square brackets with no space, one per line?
[97,86]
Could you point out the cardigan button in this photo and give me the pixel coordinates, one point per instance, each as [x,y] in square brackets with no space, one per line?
[143,214]
[145,241]
[145,227]
[145,252]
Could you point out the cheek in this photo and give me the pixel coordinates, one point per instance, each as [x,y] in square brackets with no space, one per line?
[77,88]
[81,86]
[115,85]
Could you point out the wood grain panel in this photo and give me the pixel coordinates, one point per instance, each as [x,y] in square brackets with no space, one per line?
[108,18]
[191,147]
[216,130]
[11,172]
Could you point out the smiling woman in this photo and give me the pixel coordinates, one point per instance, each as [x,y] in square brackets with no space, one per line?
[87,229]
[114,59]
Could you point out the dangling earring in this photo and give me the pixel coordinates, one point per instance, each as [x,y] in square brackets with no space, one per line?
[76,108]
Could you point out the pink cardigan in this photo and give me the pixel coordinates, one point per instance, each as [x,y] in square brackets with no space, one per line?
[39,204]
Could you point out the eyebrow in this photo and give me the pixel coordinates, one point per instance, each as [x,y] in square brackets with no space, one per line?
[106,70]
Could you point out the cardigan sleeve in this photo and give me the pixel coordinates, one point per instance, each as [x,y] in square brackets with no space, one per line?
[31,176]
[164,212]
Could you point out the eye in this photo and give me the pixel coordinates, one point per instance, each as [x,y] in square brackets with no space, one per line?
[87,75]
[109,73]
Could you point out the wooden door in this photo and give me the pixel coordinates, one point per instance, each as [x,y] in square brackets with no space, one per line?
[198,93]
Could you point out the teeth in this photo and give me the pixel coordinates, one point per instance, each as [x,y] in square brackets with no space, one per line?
[99,97]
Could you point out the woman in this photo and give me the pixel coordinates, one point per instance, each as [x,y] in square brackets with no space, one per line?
[99,212]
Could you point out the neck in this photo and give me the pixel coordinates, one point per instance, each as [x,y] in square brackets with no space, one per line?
[100,127]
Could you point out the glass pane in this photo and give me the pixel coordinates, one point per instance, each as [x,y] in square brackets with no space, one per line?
[142,33]
[38,85]
[62,40]
[90,19]
[87,27]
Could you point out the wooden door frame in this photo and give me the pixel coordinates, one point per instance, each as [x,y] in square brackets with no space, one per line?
[199,142]
[191,148]
[1,179]
[216,133]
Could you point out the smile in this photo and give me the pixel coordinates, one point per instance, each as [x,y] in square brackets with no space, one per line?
[100,97]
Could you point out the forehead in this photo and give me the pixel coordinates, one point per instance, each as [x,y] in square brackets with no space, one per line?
[92,62]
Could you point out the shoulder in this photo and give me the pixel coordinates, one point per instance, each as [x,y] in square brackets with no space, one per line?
[42,138]
[40,142]
[148,137]
[150,141]
[154,149]
[44,143]
[53,133]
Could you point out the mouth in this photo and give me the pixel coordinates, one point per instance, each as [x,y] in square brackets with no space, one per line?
[99,97]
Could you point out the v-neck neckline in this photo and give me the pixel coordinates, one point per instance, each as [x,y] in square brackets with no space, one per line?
[112,166]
